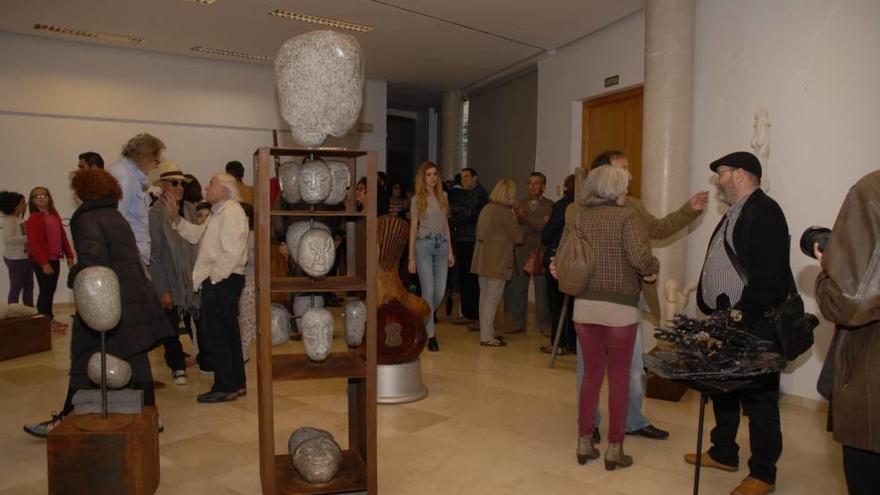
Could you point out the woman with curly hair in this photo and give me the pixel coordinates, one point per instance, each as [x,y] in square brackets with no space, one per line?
[21,276]
[430,249]
[46,244]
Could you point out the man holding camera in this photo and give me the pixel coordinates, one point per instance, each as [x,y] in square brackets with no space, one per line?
[848,293]
[747,271]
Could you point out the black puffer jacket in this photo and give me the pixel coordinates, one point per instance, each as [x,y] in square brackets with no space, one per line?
[102,237]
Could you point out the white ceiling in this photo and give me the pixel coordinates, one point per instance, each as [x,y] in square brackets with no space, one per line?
[421,47]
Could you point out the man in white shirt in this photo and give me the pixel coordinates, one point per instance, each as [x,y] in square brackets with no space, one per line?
[219,276]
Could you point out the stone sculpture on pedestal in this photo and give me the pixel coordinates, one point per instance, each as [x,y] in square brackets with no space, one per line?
[316,252]
[280,324]
[295,233]
[314,181]
[355,322]
[118,371]
[317,330]
[288,178]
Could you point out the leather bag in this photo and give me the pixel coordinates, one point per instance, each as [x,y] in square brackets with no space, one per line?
[574,260]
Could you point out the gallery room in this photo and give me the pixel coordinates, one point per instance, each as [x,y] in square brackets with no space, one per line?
[439,247]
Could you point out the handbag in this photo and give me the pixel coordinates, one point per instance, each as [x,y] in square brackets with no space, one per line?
[534,265]
[788,323]
[574,260]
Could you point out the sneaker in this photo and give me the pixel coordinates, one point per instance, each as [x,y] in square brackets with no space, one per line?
[41,430]
[178,377]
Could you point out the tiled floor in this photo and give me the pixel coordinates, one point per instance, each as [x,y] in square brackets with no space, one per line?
[496,421]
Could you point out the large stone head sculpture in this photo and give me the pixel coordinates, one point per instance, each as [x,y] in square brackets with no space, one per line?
[320,78]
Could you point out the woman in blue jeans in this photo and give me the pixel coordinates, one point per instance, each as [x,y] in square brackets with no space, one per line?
[430,249]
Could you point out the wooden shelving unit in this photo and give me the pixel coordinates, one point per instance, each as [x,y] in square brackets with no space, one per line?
[358,470]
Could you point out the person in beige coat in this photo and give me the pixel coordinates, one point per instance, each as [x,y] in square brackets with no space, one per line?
[497,234]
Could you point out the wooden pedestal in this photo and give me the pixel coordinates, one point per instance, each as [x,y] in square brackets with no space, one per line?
[24,335]
[118,455]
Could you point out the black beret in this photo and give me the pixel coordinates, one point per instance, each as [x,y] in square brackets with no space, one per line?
[739,159]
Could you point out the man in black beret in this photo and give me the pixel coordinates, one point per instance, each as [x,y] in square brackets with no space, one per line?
[746,270]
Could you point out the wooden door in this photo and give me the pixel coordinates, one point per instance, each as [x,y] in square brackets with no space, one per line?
[614,122]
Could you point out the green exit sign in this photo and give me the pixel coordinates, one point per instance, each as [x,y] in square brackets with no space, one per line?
[612,81]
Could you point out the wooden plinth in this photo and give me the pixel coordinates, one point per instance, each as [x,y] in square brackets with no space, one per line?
[24,335]
[118,455]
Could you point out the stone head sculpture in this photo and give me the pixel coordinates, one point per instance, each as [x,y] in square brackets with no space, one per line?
[314,181]
[288,177]
[316,253]
[295,233]
[320,78]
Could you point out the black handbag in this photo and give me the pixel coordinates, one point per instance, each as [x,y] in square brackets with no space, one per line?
[788,323]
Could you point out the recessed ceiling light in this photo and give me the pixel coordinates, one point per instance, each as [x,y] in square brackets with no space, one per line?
[119,38]
[231,53]
[203,2]
[321,21]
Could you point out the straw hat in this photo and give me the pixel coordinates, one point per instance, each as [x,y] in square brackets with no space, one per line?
[169,170]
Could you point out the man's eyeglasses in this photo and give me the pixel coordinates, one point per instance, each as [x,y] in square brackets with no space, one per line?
[176,183]
[721,170]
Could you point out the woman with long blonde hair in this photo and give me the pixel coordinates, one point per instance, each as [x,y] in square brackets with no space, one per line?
[430,249]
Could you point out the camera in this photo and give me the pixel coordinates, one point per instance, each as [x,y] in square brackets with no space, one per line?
[814,235]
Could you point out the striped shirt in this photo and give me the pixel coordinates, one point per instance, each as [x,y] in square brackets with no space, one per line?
[719,276]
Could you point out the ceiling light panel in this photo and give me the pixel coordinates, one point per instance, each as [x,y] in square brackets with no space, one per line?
[231,53]
[117,38]
[202,2]
[321,21]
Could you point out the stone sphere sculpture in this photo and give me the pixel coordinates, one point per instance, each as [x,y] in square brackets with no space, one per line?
[355,322]
[280,324]
[288,178]
[96,292]
[320,77]
[317,459]
[295,233]
[118,371]
[340,182]
[317,331]
[316,252]
[301,304]
[314,182]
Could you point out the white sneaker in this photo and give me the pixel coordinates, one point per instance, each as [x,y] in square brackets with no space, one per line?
[206,372]
[178,377]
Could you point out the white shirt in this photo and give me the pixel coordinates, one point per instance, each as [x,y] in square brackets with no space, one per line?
[222,239]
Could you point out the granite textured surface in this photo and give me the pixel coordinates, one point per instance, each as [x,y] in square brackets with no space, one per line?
[317,331]
[118,371]
[303,303]
[316,252]
[355,322]
[295,233]
[280,324]
[320,77]
[96,292]
[340,182]
[302,434]
[317,460]
[314,181]
[288,178]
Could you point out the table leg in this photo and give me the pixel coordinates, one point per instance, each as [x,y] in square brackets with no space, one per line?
[704,399]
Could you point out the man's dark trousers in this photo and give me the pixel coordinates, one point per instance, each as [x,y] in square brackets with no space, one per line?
[219,327]
[468,282]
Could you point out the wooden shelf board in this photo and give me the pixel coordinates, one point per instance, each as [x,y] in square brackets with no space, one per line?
[319,213]
[352,476]
[328,284]
[299,367]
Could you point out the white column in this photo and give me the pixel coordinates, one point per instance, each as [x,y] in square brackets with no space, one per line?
[666,140]
[450,134]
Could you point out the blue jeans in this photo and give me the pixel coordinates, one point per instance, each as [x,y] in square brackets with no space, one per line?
[432,265]
[635,420]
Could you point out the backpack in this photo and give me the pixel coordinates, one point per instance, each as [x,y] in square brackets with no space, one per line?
[574,259]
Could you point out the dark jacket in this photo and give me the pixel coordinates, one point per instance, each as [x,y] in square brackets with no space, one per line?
[465,207]
[848,293]
[102,237]
[761,242]
[552,231]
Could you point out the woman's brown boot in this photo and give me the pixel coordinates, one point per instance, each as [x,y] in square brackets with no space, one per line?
[614,457]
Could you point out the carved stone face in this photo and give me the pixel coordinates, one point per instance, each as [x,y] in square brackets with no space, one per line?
[316,252]
[288,178]
[320,78]
[314,182]
[317,330]
[118,371]
[355,322]
[280,324]
[294,235]
[96,292]
[340,182]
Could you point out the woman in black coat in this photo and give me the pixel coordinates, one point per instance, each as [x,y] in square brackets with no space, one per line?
[102,237]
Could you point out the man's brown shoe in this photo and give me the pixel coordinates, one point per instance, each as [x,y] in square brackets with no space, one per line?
[753,486]
[707,461]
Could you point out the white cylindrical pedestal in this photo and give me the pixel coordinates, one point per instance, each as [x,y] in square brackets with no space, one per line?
[399,383]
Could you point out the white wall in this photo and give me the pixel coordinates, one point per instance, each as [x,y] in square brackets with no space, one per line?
[813,64]
[576,73]
[60,98]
